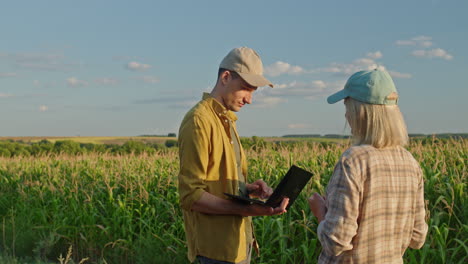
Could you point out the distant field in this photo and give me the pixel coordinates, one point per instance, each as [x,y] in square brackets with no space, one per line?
[314,139]
[94,140]
[160,140]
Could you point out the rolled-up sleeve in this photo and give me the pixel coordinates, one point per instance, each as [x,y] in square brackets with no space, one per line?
[194,157]
[339,227]
[420,226]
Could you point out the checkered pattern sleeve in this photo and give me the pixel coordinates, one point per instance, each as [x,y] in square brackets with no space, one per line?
[420,227]
[340,225]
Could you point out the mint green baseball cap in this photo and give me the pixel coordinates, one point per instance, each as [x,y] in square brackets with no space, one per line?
[371,87]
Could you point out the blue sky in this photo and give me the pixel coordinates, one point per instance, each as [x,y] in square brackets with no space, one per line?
[126,68]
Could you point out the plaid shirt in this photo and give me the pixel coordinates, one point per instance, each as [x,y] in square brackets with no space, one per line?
[375,207]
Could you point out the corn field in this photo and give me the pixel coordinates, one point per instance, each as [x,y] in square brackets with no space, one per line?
[101,208]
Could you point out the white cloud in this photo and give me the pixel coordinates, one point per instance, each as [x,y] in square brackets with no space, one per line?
[319,84]
[316,89]
[308,90]
[426,44]
[136,66]
[364,62]
[357,65]
[361,64]
[375,55]
[38,57]
[400,75]
[419,53]
[285,85]
[43,108]
[266,101]
[280,67]
[106,81]
[434,53]
[422,41]
[7,74]
[422,38]
[405,43]
[333,68]
[3,95]
[42,84]
[74,82]
[148,79]
[304,90]
[41,61]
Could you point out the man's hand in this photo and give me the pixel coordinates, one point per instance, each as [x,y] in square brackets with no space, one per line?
[258,210]
[210,204]
[317,206]
[259,189]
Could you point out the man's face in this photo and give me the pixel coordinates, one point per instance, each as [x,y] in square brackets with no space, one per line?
[238,93]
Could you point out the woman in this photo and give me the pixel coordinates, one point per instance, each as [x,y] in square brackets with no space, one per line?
[374,204]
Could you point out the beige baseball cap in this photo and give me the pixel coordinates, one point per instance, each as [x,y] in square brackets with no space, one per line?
[247,63]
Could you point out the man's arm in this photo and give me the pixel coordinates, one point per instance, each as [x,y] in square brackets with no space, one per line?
[210,204]
[194,144]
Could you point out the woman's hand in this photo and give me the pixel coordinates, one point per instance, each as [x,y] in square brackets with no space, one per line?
[318,206]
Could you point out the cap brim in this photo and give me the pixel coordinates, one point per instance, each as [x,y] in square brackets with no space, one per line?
[255,80]
[338,96]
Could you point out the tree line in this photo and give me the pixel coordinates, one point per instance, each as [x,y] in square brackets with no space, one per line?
[440,135]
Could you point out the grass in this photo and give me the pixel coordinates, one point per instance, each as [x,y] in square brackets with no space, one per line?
[124,209]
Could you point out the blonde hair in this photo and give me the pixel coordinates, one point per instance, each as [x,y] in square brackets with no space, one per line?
[377,125]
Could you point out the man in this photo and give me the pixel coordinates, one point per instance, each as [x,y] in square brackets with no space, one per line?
[212,163]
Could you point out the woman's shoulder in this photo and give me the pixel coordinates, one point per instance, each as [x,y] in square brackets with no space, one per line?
[358,150]
[368,151]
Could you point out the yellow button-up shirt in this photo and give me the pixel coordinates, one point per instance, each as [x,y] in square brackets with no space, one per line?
[208,164]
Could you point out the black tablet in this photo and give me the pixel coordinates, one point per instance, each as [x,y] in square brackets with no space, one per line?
[290,186]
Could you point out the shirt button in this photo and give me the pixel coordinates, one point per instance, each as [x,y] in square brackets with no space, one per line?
[232,142]
[225,120]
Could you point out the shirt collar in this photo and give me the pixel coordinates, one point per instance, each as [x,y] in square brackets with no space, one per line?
[220,110]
